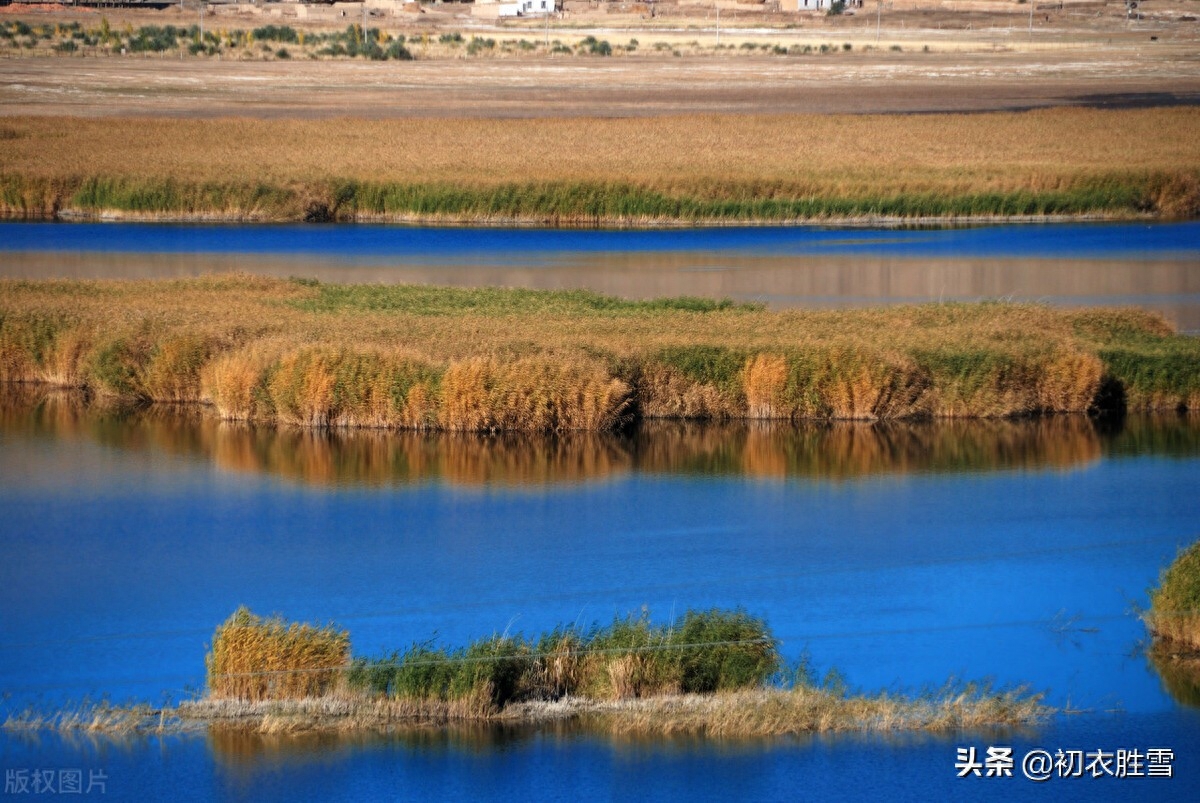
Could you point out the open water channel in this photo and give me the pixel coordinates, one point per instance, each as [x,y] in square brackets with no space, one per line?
[904,555]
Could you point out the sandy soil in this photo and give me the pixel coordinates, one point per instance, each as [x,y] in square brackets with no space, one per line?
[1084,57]
[854,83]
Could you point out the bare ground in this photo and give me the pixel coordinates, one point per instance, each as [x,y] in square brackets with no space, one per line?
[975,62]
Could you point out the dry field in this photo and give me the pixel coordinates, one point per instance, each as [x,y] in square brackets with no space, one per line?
[847,154]
[672,129]
[881,81]
[695,168]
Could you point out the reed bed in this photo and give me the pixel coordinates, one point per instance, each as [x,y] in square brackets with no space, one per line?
[705,652]
[695,168]
[418,358]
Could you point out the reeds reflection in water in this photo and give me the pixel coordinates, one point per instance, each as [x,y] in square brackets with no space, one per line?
[373,458]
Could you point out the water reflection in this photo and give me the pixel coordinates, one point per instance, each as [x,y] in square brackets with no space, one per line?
[238,747]
[1180,676]
[1167,285]
[839,451]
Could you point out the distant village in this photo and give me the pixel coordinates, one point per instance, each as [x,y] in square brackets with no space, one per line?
[484,9]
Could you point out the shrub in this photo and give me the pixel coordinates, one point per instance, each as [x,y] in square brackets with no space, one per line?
[396,50]
[478,45]
[277,33]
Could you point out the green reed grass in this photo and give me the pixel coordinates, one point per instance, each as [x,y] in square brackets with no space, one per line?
[568,203]
[427,300]
[705,652]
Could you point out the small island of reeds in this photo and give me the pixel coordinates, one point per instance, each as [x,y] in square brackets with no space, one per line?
[716,673]
[301,353]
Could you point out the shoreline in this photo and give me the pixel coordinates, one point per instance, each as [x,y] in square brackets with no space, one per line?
[867,221]
[758,713]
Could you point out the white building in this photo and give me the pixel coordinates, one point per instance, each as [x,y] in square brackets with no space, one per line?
[527,8]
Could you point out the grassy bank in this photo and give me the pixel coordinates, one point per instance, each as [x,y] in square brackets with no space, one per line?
[694,169]
[410,357]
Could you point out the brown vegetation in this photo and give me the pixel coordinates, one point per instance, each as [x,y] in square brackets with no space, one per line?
[405,357]
[777,167]
[769,712]
[255,659]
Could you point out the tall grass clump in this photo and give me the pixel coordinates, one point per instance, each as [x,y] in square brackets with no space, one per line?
[172,371]
[989,382]
[1157,372]
[534,394]
[694,381]
[1174,615]
[321,387]
[475,681]
[144,365]
[39,347]
[842,383]
[706,652]
[1155,368]
[255,659]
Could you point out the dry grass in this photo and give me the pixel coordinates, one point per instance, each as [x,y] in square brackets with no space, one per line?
[427,358]
[771,712]
[805,709]
[692,167]
[254,659]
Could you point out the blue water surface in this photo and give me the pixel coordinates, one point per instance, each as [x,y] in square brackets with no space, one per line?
[498,246]
[119,556]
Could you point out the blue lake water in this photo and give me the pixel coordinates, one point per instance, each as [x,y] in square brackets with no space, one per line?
[903,556]
[1153,266]
[506,246]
